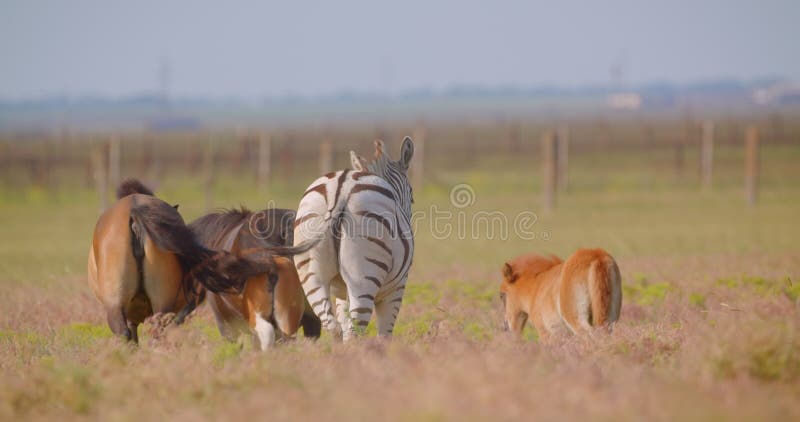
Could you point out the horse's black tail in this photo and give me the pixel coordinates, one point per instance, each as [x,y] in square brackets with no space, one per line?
[131,186]
[217,271]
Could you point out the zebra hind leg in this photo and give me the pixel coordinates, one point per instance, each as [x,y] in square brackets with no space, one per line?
[360,312]
[361,292]
[339,292]
[386,311]
[342,308]
[316,285]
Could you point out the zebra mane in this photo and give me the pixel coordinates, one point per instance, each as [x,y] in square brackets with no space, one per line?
[380,166]
[393,172]
[383,165]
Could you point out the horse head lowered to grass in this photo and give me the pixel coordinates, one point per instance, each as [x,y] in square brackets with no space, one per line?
[261,234]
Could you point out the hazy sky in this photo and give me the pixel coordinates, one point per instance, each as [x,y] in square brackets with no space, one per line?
[255,49]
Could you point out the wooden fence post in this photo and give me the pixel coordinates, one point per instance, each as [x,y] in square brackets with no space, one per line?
[239,152]
[146,162]
[707,154]
[680,158]
[549,175]
[469,138]
[326,155]
[751,168]
[45,172]
[563,158]
[776,128]
[513,137]
[100,176]
[264,160]
[287,158]
[114,160]
[418,161]
[208,176]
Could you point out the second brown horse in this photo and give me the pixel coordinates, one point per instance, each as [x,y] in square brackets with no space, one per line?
[249,234]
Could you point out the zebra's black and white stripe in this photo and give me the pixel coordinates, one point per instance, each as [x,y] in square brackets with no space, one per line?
[364,218]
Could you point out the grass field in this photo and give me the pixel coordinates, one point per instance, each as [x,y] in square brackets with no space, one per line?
[710,323]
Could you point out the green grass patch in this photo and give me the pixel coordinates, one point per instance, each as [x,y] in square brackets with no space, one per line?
[774,361]
[529,334]
[479,295]
[477,331]
[760,285]
[697,299]
[791,290]
[644,292]
[226,351]
[424,293]
[414,328]
[81,334]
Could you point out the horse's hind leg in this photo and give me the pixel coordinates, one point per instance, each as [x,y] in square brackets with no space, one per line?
[134,330]
[162,278]
[118,323]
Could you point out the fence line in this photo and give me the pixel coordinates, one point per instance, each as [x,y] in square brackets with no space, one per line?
[264,160]
[100,176]
[418,161]
[549,175]
[751,165]
[707,154]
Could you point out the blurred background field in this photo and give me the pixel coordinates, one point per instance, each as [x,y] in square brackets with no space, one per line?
[632,185]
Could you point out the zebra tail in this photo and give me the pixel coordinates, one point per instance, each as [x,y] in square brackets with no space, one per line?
[332,220]
[305,246]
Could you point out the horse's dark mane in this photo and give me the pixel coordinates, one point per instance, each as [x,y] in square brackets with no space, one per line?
[212,228]
[268,227]
[131,186]
[218,271]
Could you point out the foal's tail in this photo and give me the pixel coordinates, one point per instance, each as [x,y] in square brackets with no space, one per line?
[605,291]
[217,271]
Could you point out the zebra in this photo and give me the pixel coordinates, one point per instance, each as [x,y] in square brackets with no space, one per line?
[364,218]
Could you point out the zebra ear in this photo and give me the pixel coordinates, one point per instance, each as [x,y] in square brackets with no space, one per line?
[358,162]
[406,152]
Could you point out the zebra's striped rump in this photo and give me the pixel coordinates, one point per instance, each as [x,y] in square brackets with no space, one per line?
[365,251]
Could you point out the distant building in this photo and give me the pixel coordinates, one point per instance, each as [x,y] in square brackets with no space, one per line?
[781,93]
[625,101]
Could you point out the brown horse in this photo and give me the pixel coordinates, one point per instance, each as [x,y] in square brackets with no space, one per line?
[145,260]
[243,232]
